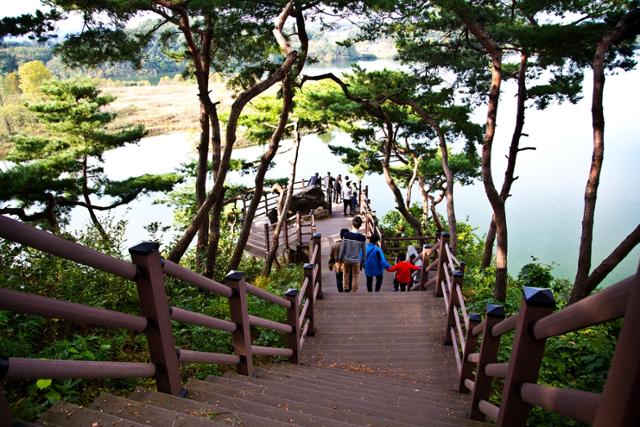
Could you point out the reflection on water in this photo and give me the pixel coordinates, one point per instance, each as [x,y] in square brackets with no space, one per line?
[544,212]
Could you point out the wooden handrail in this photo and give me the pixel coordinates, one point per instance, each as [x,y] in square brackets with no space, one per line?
[508,324]
[271,351]
[192,318]
[26,303]
[269,324]
[179,272]
[606,305]
[267,296]
[576,404]
[189,356]
[23,368]
[18,232]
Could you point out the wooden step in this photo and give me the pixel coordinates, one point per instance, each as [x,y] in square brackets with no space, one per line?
[200,409]
[203,391]
[69,415]
[148,414]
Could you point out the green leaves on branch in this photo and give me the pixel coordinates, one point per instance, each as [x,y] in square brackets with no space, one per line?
[63,167]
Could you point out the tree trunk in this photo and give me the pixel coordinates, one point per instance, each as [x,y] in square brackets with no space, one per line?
[87,200]
[215,217]
[425,202]
[230,137]
[265,161]
[414,176]
[282,221]
[434,214]
[201,179]
[624,26]
[514,149]
[497,204]
[400,205]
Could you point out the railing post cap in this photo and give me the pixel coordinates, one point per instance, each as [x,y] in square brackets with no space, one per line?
[144,248]
[538,297]
[427,246]
[495,310]
[308,266]
[234,276]
[475,317]
[458,273]
[317,236]
[446,234]
[291,292]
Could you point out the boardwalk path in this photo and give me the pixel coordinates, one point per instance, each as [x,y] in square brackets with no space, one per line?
[390,333]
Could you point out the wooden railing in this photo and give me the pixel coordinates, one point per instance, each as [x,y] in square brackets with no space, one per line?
[298,232]
[148,270]
[616,405]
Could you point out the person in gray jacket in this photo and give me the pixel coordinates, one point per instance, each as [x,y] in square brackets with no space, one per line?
[352,250]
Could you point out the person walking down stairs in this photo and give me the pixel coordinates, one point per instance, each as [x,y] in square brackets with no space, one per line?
[403,269]
[335,264]
[352,250]
[374,263]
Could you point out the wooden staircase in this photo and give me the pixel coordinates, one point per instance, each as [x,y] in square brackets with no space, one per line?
[377,360]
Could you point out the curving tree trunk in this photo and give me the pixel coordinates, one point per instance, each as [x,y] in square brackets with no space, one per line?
[627,26]
[514,149]
[230,137]
[284,213]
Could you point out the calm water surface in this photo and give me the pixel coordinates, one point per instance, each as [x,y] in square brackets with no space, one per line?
[544,212]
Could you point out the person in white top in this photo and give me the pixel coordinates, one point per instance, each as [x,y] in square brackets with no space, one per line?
[346,200]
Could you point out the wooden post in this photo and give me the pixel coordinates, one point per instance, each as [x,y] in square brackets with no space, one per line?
[426,261]
[266,205]
[5,412]
[488,354]
[366,191]
[442,259]
[286,234]
[294,322]
[526,356]
[240,316]
[457,279]
[267,238]
[308,273]
[155,307]
[299,228]
[470,344]
[621,394]
[317,242]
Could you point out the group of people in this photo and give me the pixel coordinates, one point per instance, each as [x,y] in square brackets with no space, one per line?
[351,254]
[341,192]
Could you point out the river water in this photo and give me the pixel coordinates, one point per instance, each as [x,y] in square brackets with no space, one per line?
[544,212]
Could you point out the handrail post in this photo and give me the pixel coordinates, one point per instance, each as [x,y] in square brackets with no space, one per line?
[426,261]
[442,258]
[311,311]
[366,191]
[155,307]
[488,354]
[266,205]
[240,316]
[458,277]
[267,238]
[294,322]
[470,344]
[5,411]
[621,394]
[526,356]
[286,233]
[299,228]
[317,242]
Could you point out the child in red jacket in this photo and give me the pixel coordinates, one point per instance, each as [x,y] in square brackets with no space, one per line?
[403,271]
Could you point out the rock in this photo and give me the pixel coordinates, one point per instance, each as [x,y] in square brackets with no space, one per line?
[321,213]
[307,200]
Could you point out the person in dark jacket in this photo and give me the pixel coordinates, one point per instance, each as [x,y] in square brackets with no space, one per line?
[336,265]
[352,251]
[374,263]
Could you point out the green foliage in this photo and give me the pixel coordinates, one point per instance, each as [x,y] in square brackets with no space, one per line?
[28,270]
[62,168]
[32,76]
